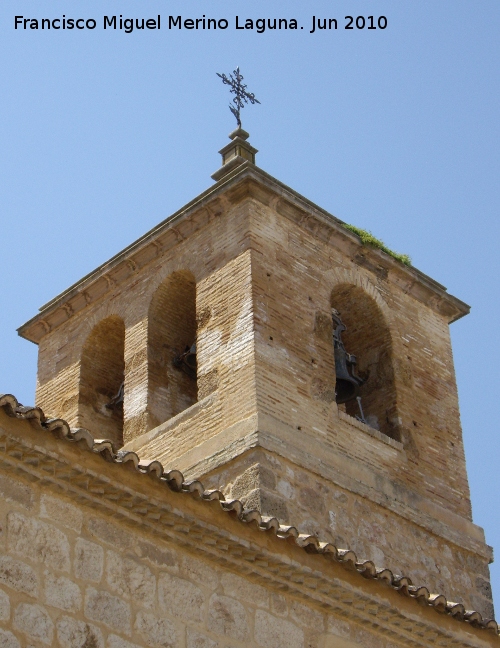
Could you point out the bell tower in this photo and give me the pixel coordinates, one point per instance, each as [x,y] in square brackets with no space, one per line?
[252,341]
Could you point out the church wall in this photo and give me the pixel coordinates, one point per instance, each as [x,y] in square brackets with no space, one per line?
[73,578]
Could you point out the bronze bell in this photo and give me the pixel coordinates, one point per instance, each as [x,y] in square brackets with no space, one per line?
[117,401]
[187,361]
[347,383]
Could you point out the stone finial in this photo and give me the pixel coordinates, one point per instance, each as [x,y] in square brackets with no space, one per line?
[235,153]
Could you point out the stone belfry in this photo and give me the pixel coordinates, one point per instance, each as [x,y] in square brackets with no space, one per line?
[212,344]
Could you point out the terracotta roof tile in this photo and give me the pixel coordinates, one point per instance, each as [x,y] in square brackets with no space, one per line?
[174,479]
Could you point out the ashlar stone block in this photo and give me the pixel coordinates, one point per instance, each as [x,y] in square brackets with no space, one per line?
[15,491]
[18,576]
[111,533]
[243,589]
[72,633]
[34,621]
[62,512]
[8,640]
[130,578]
[39,541]
[306,616]
[89,560]
[199,572]
[227,617]
[102,607]
[62,593]
[279,604]
[158,556]
[180,598]
[156,632]
[276,632]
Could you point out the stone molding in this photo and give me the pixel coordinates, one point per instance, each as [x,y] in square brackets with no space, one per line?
[71,463]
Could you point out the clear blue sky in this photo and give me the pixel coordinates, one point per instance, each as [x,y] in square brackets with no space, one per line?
[103,134]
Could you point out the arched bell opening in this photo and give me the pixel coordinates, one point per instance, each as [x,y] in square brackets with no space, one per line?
[364,386]
[102,368]
[172,368]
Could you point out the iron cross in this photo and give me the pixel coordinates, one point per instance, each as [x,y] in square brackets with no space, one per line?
[239,89]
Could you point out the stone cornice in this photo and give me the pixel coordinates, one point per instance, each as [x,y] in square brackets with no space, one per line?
[245,181]
[148,497]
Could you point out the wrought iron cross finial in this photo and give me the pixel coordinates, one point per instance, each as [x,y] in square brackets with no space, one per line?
[239,89]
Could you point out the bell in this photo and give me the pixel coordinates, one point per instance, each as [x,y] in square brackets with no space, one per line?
[347,383]
[117,401]
[189,358]
[187,361]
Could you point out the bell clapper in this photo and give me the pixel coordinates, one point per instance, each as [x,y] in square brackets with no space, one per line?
[362,417]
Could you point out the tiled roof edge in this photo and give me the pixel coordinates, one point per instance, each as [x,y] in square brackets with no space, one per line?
[174,479]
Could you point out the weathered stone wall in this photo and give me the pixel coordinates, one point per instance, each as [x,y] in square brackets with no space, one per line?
[292,277]
[76,579]
[419,546]
[294,274]
[224,336]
